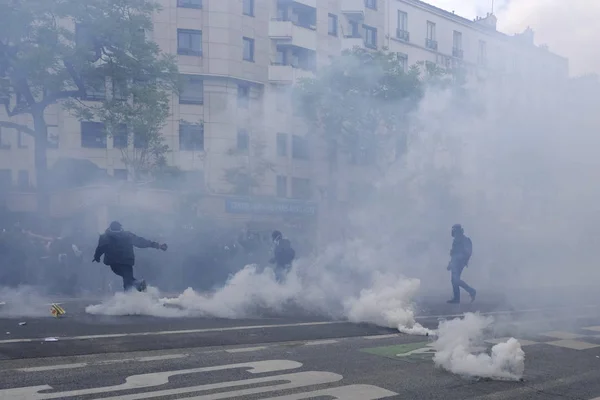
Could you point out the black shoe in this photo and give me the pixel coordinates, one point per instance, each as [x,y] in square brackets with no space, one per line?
[473,295]
[142,286]
[453,301]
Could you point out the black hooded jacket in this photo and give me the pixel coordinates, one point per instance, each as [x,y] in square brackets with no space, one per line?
[117,247]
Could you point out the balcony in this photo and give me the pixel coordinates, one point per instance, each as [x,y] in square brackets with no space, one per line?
[403,35]
[353,8]
[351,41]
[458,53]
[431,44]
[286,33]
[306,3]
[287,74]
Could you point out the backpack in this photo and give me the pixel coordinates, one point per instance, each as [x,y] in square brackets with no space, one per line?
[468,249]
[287,252]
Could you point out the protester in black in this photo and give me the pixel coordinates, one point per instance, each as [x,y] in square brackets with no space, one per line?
[117,246]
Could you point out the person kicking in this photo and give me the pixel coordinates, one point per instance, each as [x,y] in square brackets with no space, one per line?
[117,246]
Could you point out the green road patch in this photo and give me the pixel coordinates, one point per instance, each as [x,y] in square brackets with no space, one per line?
[409,352]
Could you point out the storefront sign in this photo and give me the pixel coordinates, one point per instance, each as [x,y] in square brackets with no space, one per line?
[242,206]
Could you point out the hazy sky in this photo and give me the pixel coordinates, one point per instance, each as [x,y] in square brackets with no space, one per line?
[568,27]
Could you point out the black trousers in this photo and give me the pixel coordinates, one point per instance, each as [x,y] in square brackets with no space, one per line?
[125,272]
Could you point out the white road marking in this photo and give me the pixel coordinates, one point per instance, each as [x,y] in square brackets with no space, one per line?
[321,342]
[525,311]
[101,362]
[161,333]
[296,380]
[246,349]
[145,381]
[52,367]
[573,344]
[375,337]
[562,335]
[350,392]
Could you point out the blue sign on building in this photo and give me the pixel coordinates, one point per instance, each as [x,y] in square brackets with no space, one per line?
[258,206]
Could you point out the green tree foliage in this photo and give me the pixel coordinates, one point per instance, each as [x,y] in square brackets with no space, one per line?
[73,51]
[360,103]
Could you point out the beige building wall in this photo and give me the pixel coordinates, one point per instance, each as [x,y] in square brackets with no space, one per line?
[287,45]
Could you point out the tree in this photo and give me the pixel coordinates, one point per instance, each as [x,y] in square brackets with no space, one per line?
[360,102]
[71,51]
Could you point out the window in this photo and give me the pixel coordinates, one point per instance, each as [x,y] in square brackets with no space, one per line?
[372,4]
[5,178]
[53,137]
[402,31]
[243,96]
[23,179]
[191,137]
[353,25]
[457,47]
[189,42]
[243,140]
[21,140]
[248,8]
[121,137]
[299,148]
[431,42]
[370,37]
[192,91]
[189,3]
[95,89]
[403,60]
[120,174]
[93,135]
[301,188]
[482,57]
[140,140]
[281,186]
[333,25]
[4,142]
[248,49]
[282,144]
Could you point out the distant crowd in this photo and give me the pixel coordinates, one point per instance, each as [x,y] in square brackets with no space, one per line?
[62,263]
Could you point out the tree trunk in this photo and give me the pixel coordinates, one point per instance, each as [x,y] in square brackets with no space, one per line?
[41,163]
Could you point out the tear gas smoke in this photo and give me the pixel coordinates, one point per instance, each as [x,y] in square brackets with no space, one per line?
[23,301]
[458,350]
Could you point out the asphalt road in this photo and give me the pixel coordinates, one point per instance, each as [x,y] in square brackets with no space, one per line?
[87,357]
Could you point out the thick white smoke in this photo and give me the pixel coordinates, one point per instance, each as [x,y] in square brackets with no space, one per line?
[459,350]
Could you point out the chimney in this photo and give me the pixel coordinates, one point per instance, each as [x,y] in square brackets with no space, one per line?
[489,21]
[527,36]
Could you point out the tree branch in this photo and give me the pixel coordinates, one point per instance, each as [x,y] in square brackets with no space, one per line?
[18,127]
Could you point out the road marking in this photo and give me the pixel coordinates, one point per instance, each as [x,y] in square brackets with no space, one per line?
[101,362]
[350,392]
[562,335]
[52,367]
[525,311]
[573,344]
[146,381]
[375,337]
[321,342]
[180,332]
[246,349]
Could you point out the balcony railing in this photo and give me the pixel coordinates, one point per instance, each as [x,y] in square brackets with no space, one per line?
[403,35]
[296,23]
[431,44]
[458,53]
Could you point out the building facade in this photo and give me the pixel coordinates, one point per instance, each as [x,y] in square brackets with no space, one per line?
[240,58]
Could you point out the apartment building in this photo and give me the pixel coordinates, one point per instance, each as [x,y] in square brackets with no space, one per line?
[240,58]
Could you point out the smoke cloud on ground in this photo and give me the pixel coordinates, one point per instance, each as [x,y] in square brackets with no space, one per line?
[459,350]
[23,302]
